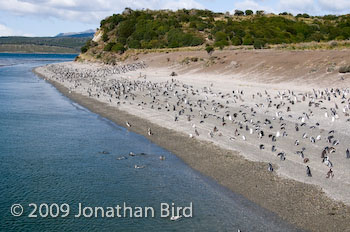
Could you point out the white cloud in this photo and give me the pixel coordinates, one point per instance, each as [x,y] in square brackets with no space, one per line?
[298,6]
[87,11]
[5,31]
[278,6]
[313,7]
[92,11]
[190,4]
[251,5]
[335,6]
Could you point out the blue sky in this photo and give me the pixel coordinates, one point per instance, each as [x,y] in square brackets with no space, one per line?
[50,17]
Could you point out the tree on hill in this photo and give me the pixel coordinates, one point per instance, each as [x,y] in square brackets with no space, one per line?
[285,13]
[260,12]
[249,12]
[238,13]
[302,16]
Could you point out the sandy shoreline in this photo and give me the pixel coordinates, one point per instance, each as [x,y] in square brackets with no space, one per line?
[303,205]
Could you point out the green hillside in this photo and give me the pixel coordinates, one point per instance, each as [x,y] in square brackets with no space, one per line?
[42,44]
[148,29]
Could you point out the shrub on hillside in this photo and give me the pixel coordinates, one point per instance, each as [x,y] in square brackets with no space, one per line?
[259,43]
[220,36]
[209,49]
[248,40]
[133,43]
[84,49]
[221,39]
[104,37]
[177,38]
[236,41]
[126,28]
[108,46]
[221,44]
[87,45]
[118,47]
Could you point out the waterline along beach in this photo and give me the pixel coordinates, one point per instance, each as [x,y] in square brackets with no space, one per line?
[178,120]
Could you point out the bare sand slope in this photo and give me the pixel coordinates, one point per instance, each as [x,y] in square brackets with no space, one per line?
[240,101]
[313,68]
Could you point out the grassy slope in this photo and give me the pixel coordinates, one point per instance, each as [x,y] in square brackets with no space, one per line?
[41,44]
[32,48]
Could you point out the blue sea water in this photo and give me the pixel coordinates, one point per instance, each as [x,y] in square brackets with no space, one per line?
[51,153]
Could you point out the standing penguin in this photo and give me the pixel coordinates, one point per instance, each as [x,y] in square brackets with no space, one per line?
[270,168]
[273,148]
[149,131]
[308,171]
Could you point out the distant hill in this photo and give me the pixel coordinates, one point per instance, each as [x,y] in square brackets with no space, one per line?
[148,29]
[32,48]
[87,33]
[63,44]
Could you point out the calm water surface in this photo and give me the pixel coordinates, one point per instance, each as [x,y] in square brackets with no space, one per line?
[50,151]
